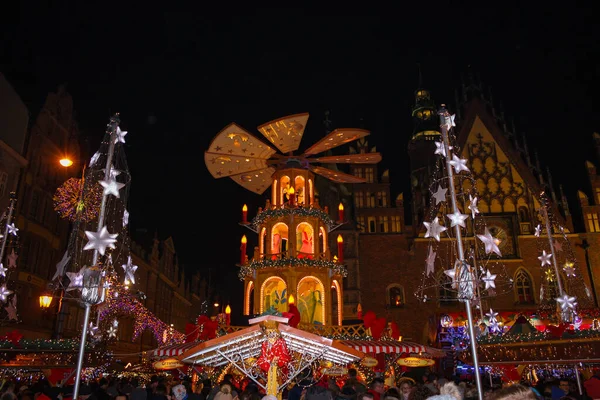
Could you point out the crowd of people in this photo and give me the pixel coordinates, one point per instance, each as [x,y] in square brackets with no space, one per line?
[429,387]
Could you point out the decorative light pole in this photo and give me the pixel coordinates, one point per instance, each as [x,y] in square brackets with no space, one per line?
[464,271]
[93,289]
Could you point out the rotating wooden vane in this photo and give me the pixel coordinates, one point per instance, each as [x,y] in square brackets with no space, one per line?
[235,153]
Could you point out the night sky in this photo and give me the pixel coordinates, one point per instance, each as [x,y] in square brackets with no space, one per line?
[177,78]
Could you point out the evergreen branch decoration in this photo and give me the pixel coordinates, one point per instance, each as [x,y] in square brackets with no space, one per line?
[247,270]
[296,211]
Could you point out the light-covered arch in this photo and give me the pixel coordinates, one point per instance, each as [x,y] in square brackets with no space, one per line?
[274,191]
[262,241]
[322,239]
[305,246]
[311,300]
[285,185]
[273,293]
[338,290]
[248,296]
[278,240]
[300,188]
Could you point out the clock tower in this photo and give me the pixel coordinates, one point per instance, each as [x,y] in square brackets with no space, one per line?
[421,150]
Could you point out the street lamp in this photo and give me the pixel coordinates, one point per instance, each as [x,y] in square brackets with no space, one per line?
[66,161]
[45,300]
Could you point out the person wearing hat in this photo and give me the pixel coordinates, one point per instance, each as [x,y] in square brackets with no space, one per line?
[592,385]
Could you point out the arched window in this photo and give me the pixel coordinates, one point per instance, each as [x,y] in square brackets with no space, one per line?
[279,238]
[523,214]
[523,287]
[395,296]
[274,295]
[305,246]
[311,300]
[446,295]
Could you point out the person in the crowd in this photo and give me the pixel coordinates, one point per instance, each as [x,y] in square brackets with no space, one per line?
[420,392]
[592,385]
[405,389]
[354,381]
[138,392]
[377,388]
[514,392]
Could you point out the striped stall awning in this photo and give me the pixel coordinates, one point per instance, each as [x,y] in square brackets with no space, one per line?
[384,346]
[173,350]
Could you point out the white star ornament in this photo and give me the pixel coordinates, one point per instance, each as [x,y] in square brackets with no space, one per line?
[100,240]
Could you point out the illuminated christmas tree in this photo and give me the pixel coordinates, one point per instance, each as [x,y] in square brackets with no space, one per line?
[563,292]
[463,261]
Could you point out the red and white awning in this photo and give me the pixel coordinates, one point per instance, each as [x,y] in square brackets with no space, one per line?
[173,350]
[384,346]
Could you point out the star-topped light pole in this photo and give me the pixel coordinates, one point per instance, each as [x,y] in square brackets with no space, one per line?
[91,280]
[463,272]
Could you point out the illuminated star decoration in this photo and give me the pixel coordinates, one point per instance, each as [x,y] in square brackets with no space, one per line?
[12,229]
[112,332]
[120,135]
[94,159]
[440,194]
[459,164]
[489,242]
[112,187]
[60,267]
[440,148]
[125,218]
[449,121]
[566,302]
[92,329]
[430,261]
[473,206]
[489,279]
[558,247]
[568,268]
[457,219]
[76,279]
[4,292]
[491,315]
[434,229]
[538,230]
[451,273]
[3,270]
[12,259]
[11,309]
[129,270]
[100,240]
[545,258]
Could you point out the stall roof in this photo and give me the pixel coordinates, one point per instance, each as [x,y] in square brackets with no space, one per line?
[392,347]
[246,343]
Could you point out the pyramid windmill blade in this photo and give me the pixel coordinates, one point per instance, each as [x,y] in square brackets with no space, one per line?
[235,151]
[336,138]
[285,133]
[336,176]
[363,158]
[256,181]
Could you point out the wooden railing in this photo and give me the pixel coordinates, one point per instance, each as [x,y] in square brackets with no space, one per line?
[330,331]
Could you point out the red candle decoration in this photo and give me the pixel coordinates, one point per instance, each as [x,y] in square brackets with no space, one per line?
[243,250]
[228,315]
[292,195]
[359,311]
[340,242]
[245,214]
[341,212]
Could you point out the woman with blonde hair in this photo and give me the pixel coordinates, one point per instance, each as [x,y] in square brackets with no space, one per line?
[514,392]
